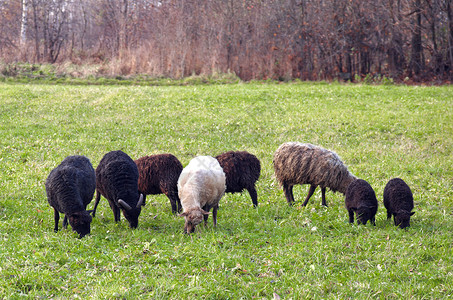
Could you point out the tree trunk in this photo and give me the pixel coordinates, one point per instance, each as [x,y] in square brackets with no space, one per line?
[364,62]
[36,32]
[122,42]
[450,36]
[24,23]
[416,55]
[395,52]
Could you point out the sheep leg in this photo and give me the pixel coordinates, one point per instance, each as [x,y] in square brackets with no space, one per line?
[172,195]
[116,213]
[214,215]
[115,209]
[65,222]
[288,190]
[179,206]
[323,192]
[174,204]
[56,217]
[310,193]
[373,220]
[253,195]
[205,217]
[389,215]
[351,216]
[98,197]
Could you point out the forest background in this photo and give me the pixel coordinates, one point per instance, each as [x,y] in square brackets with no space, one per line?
[405,40]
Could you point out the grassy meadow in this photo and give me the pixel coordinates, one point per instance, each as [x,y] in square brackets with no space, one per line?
[272,252]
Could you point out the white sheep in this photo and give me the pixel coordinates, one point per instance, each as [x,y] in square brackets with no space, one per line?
[200,187]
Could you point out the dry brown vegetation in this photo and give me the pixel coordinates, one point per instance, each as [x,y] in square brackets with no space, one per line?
[255,39]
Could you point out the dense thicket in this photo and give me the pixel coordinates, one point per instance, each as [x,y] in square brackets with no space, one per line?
[306,39]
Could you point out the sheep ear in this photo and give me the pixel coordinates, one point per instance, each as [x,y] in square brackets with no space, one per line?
[124,204]
[412,213]
[140,201]
[206,213]
[184,214]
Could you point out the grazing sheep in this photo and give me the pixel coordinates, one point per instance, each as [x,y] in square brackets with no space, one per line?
[200,187]
[361,199]
[70,187]
[158,174]
[399,202]
[117,180]
[242,170]
[297,163]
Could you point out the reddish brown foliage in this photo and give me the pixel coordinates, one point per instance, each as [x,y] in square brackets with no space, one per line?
[310,40]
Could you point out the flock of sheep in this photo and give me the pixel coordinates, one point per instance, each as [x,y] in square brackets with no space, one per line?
[199,186]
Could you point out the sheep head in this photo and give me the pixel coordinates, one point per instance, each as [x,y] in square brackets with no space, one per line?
[131,213]
[80,222]
[402,218]
[365,213]
[193,217]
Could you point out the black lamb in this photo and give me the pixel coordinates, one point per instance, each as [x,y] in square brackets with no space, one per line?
[361,199]
[70,188]
[399,202]
[242,170]
[117,180]
[158,174]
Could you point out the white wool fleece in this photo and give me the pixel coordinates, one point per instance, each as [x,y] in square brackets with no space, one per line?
[201,182]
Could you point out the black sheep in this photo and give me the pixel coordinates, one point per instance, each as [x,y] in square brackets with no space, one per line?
[399,202]
[117,180]
[158,174]
[361,199]
[70,188]
[242,170]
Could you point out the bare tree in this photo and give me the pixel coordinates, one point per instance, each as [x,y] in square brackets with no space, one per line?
[416,48]
[310,40]
[24,22]
[10,12]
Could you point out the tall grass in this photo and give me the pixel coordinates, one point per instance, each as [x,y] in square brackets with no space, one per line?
[273,251]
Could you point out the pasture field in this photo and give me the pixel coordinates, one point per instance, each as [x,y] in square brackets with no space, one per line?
[272,252]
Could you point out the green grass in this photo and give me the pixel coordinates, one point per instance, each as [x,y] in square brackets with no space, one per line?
[96,74]
[380,132]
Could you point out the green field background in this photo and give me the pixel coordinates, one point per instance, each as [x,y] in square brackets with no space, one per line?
[271,252]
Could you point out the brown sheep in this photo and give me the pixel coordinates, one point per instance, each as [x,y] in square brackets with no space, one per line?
[242,170]
[158,174]
[297,163]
